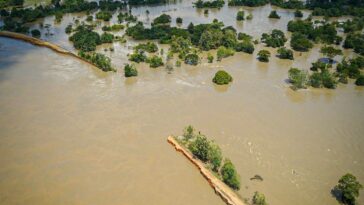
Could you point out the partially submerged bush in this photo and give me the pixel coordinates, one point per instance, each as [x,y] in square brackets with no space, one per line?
[222,77]
[100,60]
[148,47]
[274,14]
[360,81]
[200,148]
[263,55]
[229,175]
[130,70]
[191,59]
[285,53]
[138,57]
[240,16]
[259,199]
[224,52]
[155,61]
[298,78]
[35,33]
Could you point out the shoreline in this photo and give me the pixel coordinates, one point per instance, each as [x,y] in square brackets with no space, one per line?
[41,43]
[220,188]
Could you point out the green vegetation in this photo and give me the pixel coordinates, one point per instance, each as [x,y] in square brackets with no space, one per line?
[298,14]
[126,17]
[259,199]
[285,53]
[240,16]
[245,46]
[275,39]
[69,29]
[100,60]
[224,52]
[162,19]
[330,52]
[349,188]
[250,3]
[351,68]
[222,77]
[360,81]
[179,20]
[209,4]
[115,27]
[155,61]
[210,153]
[355,41]
[89,18]
[192,59]
[298,78]
[288,4]
[249,17]
[149,47]
[6,3]
[138,56]
[85,39]
[107,38]
[299,42]
[350,26]
[36,33]
[273,14]
[322,79]
[104,15]
[146,2]
[58,16]
[320,65]
[244,37]
[263,56]
[130,70]
[229,175]
[210,58]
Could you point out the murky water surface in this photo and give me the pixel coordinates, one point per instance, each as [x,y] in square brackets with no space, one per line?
[70,134]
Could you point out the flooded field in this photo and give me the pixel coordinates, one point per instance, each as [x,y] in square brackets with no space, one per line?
[71,134]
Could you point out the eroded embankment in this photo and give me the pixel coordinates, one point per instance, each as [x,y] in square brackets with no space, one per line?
[42,43]
[228,195]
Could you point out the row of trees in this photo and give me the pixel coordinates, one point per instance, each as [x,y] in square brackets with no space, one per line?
[209,4]
[210,153]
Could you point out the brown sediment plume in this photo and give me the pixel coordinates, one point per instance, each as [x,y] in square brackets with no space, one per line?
[228,195]
[38,42]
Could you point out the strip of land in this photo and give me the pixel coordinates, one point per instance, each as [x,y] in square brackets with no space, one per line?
[228,195]
[42,43]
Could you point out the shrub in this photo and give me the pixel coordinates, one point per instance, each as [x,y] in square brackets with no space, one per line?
[89,18]
[210,58]
[299,42]
[249,17]
[240,16]
[85,39]
[349,188]
[222,77]
[298,14]
[244,37]
[104,15]
[68,29]
[155,61]
[229,175]
[107,38]
[191,59]
[320,65]
[275,39]
[130,70]
[298,78]
[162,19]
[263,55]
[115,27]
[330,52]
[360,81]
[179,20]
[58,16]
[315,80]
[214,156]
[35,33]
[138,57]
[224,52]
[188,133]
[285,53]
[274,14]
[328,80]
[259,199]
[245,46]
[100,60]
[148,47]
[200,147]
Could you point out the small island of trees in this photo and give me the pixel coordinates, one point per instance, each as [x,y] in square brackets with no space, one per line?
[222,77]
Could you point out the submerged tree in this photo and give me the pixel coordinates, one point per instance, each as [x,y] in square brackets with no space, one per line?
[259,199]
[349,188]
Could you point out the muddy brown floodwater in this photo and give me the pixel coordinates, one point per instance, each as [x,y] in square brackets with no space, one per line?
[70,134]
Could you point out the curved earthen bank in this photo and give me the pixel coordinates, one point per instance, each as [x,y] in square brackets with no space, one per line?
[228,195]
[38,42]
